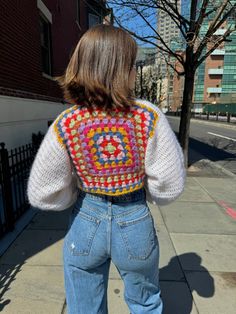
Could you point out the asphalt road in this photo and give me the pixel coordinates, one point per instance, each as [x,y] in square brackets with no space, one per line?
[213,141]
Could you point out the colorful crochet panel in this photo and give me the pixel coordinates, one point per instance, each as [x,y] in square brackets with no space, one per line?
[107,149]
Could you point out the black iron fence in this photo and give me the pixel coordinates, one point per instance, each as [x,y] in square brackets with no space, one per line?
[14,171]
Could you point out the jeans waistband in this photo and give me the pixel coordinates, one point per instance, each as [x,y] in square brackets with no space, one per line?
[129,197]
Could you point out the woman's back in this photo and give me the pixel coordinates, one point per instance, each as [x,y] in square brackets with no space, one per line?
[107,147]
[106,156]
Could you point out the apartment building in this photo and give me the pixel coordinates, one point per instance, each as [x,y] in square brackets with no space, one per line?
[37,39]
[170,34]
[216,77]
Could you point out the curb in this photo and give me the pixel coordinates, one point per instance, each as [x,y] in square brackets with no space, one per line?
[219,167]
[19,227]
[209,122]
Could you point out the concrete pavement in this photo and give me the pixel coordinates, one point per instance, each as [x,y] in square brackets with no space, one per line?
[212,141]
[197,236]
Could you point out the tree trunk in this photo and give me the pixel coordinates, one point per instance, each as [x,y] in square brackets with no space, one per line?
[184,126]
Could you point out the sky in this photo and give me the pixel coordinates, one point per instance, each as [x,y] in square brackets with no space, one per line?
[135,23]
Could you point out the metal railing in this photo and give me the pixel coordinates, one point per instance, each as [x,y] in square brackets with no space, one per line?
[14,171]
[229,118]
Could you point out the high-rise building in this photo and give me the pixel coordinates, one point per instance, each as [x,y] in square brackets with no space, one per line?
[170,33]
[215,77]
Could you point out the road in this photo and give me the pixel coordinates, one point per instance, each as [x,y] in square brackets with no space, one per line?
[213,141]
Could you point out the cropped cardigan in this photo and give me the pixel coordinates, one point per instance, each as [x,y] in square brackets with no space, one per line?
[107,152]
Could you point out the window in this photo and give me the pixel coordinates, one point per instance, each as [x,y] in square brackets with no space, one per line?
[78,11]
[45,39]
[93,20]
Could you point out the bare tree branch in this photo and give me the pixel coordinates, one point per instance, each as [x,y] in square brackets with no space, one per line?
[146,40]
[217,44]
[168,5]
[201,16]
[168,50]
[218,25]
[210,33]
[216,18]
[165,6]
[173,66]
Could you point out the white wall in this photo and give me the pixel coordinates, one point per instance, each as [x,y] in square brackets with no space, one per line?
[20,117]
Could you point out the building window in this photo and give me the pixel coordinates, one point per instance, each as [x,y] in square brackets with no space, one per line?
[78,11]
[45,38]
[93,20]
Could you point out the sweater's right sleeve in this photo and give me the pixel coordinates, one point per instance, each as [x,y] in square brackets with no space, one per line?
[164,164]
[52,184]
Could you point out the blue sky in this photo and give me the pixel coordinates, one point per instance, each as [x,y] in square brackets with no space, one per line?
[135,23]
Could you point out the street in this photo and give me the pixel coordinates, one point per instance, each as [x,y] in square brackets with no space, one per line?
[213,141]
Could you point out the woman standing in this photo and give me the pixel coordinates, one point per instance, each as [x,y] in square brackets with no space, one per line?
[106,156]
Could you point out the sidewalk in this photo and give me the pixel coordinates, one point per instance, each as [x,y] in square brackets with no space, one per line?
[197,236]
[231,125]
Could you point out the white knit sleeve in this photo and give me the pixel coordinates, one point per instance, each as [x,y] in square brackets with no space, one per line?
[164,164]
[51,184]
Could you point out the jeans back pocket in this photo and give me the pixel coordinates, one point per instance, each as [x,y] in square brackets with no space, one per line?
[138,236]
[82,231]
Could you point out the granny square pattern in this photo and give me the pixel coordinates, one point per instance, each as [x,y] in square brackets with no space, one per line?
[107,148]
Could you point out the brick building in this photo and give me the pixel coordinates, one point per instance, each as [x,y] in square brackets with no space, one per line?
[215,77]
[175,85]
[36,42]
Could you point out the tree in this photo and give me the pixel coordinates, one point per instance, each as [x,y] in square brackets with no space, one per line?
[197,40]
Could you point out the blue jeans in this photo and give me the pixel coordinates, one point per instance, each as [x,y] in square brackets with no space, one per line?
[121,229]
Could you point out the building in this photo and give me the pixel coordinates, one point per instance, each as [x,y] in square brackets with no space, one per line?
[176,86]
[37,39]
[170,34]
[175,82]
[215,78]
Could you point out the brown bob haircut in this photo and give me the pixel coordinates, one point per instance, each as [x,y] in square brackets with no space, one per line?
[99,69]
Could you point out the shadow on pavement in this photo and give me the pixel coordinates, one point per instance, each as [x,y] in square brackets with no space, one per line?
[209,152]
[202,150]
[7,276]
[177,295]
[47,228]
[35,238]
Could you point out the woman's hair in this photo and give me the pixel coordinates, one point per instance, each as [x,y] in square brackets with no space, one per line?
[99,69]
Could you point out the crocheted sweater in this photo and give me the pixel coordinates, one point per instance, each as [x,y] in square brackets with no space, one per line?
[112,153]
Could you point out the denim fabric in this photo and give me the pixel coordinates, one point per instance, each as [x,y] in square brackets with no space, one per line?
[105,228]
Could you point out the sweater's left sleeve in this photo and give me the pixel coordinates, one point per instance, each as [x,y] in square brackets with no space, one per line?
[164,165]
[51,184]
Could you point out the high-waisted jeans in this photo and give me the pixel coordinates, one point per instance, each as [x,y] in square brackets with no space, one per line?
[105,228]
